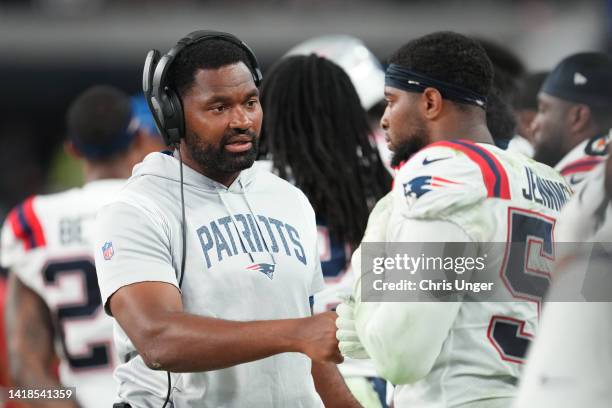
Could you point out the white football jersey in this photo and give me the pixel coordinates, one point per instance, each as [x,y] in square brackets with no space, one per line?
[577,164]
[251,254]
[587,217]
[47,244]
[570,364]
[493,196]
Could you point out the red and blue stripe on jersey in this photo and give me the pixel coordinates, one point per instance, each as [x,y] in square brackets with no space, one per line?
[582,165]
[493,173]
[26,226]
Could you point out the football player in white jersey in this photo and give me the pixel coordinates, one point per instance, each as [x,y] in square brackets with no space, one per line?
[570,364]
[573,120]
[456,186]
[54,306]
[207,264]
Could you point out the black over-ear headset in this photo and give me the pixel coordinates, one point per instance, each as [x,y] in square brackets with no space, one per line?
[163,101]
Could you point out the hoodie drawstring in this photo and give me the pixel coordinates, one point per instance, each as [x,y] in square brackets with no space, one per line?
[235,224]
[246,198]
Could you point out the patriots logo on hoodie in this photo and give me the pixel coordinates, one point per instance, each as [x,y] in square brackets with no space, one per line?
[265,268]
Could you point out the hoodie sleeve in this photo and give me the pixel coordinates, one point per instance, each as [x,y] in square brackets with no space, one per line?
[131,246]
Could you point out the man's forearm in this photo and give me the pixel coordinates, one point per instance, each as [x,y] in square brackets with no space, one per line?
[331,386]
[30,342]
[189,343]
[168,338]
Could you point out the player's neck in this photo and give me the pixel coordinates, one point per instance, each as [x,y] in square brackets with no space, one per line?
[459,124]
[475,132]
[478,134]
[574,139]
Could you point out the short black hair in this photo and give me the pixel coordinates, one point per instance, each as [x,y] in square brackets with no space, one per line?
[448,57]
[207,54]
[98,116]
[500,118]
[317,134]
[503,58]
[508,69]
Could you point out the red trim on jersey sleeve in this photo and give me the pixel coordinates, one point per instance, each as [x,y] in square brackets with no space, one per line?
[32,220]
[493,173]
[26,226]
[13,219]
[581,165]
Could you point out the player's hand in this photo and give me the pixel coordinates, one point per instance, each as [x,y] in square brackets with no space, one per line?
[319,338]
[349,343]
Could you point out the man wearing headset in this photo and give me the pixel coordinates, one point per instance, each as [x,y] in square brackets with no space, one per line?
[209,265]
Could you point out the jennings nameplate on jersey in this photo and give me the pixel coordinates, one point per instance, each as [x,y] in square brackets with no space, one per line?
[481,272]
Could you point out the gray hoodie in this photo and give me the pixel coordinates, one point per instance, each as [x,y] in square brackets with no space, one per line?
[251,255]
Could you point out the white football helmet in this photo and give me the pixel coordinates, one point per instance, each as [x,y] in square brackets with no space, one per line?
[352,55]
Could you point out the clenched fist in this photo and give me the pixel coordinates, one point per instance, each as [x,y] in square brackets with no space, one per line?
[318,338]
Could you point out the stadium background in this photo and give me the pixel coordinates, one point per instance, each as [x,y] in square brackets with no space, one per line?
[52,49]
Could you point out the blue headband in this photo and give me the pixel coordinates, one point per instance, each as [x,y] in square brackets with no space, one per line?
[411,81]
[118,144]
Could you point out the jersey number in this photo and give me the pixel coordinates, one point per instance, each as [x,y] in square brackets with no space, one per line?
[523,280]
[98,354]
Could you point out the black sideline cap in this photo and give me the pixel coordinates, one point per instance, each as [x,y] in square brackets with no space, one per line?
[582,78]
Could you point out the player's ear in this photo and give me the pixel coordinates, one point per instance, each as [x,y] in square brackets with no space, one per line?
[431,104]
[71,150]
[579,117]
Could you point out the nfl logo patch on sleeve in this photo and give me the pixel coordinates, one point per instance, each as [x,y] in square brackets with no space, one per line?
[108,251]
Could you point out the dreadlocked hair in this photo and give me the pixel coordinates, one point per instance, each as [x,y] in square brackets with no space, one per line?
[318,137]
